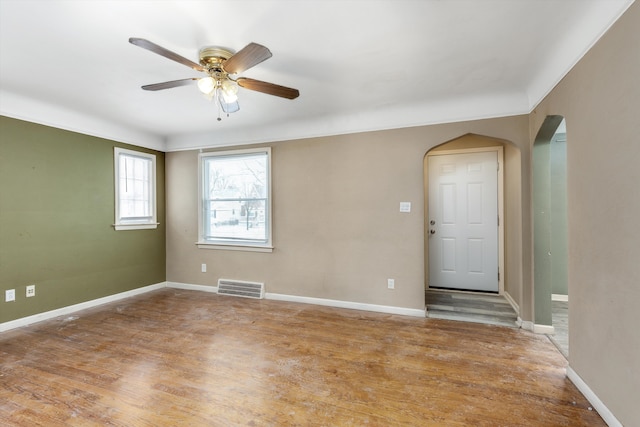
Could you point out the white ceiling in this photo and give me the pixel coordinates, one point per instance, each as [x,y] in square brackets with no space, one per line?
[359,65]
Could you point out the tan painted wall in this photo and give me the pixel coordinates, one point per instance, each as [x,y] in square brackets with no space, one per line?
[338,232]
[600,100]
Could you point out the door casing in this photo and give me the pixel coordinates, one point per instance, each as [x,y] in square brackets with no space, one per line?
[499,150]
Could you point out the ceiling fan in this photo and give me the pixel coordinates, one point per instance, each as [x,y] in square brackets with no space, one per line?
[219,64]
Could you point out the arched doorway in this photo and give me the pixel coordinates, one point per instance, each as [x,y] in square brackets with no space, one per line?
[551,291]
[510,244]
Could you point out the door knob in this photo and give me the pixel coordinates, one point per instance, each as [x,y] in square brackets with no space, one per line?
[432,222]
[432,231]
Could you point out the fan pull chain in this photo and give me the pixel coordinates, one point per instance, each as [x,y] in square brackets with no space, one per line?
[217,101]
[219,104]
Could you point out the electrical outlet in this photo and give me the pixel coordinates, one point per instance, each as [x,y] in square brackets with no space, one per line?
[391,284]
[204,268]
[31,291]
[9,295]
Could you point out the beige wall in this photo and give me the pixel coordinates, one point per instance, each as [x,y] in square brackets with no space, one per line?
[600,100]
[338,232]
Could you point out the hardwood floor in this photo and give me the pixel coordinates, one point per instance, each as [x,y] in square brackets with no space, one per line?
[174,357]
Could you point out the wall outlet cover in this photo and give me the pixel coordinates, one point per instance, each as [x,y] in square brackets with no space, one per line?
[10,295]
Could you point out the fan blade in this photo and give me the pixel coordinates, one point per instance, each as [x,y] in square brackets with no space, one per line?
[268,88]
[146,44]
[249,56]
[169,85]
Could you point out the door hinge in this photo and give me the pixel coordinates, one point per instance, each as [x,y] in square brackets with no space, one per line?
[498,276]
[498,220]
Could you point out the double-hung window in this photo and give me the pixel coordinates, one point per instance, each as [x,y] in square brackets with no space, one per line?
[234,202]
[135,189]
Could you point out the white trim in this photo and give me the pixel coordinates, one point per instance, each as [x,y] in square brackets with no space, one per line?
[559,297]
[543,329]
[513,303]
[598,405]
[24,321]
[347,304]
[525,324]
[499,149]
[244,247]
[142,226]
[151,223]
[536,329]
[190,287]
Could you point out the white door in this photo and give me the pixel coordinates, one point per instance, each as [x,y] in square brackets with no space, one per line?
[463,221]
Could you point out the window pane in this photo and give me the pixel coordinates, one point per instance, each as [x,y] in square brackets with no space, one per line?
[237,220]
[235,199]
[135,187]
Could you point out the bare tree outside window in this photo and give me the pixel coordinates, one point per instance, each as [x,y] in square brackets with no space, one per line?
[235,197]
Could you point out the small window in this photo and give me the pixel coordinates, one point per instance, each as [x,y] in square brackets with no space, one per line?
[135,185]
[235,205]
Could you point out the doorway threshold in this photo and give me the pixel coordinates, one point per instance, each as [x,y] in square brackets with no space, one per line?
[490,309]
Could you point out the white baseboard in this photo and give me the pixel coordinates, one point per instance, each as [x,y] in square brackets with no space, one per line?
[543,329]
[536,329]
[598,405]
[559,297]
[24,321]
[525,324]
[347,304]
[190,287]
[513,303]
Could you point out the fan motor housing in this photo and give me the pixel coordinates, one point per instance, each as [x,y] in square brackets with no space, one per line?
[213,56]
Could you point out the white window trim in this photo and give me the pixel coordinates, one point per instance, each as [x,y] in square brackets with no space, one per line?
[134,225]
[224,245]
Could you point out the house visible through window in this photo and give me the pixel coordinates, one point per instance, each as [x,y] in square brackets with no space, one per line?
[135,185]
[235,208]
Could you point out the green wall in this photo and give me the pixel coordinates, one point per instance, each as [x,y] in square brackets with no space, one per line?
[549,217]
[542,231]
[56,216]
[558,209]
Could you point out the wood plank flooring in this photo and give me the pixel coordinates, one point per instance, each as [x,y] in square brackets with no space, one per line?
[489,309]
[188,358]
[560,320]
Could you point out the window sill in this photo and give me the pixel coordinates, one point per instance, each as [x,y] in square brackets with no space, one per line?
[246,247]
[143,226]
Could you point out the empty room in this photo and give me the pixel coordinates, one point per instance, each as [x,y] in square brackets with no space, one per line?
[332,213]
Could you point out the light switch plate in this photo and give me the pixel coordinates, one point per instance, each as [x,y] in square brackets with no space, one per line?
[405,206]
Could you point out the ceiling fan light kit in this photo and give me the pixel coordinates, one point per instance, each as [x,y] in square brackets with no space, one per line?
[219,63]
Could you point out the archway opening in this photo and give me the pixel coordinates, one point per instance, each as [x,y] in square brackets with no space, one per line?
[551,290]
[511,268]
